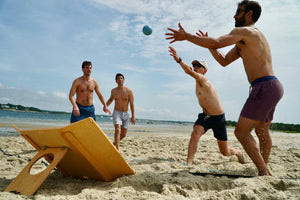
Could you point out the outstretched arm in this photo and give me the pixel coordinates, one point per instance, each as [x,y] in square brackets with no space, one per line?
[222,59]
[225,60]
[187,69]
[207,42]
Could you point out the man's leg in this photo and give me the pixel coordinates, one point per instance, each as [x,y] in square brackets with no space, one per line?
[193,145]
[243,134]
[265,141]
[123,133]
[117,135]
[228,151]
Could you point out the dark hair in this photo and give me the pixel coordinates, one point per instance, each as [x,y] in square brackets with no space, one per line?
[119,74]
[252,5]
[86,63]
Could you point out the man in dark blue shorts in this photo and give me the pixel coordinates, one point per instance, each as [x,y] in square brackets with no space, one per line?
[85,112]
[213,113]
[84,87]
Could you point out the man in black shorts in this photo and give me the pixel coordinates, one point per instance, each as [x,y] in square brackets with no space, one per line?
[213,113]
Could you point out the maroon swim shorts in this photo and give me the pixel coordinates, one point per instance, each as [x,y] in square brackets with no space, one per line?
[263,98]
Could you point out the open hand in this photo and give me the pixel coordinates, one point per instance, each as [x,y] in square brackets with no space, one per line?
[173,53]
[201,34]
[176,35]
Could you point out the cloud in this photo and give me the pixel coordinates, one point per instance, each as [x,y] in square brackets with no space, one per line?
[43,100]
[131,68]
[60,95]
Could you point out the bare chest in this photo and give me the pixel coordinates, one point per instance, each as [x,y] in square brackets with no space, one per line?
[121,95]
[86,86]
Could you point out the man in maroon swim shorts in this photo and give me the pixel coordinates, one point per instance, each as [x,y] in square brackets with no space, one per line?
[249,44]
[263,98]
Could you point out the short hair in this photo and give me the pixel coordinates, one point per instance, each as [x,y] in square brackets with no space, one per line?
[252,5]
[119,74]
[86,63]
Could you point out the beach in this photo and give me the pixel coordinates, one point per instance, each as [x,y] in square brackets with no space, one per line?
[158,153]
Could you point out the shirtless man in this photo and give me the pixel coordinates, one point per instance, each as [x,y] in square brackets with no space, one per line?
[250,45]
[84,87]
[122,96]
[213,115]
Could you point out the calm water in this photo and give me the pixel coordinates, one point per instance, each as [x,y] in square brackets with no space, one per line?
[34,119]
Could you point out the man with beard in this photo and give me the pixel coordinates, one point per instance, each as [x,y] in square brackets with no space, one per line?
[251,45]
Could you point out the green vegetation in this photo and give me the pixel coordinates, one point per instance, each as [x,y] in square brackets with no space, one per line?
[9,106]
[288,128]
[18,107]
[231,123]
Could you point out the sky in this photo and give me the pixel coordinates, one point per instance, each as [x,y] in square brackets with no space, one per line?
[43,44]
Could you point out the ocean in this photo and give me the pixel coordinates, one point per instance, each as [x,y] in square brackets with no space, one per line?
[29,120]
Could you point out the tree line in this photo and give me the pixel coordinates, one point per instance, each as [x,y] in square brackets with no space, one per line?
[289,128]
[9,106]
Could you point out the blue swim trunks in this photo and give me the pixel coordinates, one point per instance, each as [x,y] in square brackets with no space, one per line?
[85,112]
[216,122]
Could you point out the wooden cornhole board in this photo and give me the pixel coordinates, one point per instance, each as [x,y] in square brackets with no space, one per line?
[79,150]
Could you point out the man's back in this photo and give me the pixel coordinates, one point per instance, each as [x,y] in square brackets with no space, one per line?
[255,52]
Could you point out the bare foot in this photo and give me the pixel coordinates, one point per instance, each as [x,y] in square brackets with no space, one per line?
[114,143]
[240,157]
[189,163]
[264,172]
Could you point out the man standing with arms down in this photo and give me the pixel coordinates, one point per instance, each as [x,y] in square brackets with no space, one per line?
[213,115]
[251,45]
[122,96]
[84,87]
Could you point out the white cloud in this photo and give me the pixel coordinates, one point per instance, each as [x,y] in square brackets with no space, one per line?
[48,101]
[60,95]
[42,93]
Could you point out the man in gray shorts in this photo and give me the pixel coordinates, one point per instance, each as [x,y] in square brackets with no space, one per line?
[121,118]
[123,97]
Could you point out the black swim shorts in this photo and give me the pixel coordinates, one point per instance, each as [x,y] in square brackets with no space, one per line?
[216,122]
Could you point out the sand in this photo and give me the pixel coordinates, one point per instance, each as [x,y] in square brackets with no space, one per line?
[161,173]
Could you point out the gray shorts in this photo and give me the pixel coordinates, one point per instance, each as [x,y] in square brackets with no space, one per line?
[121,118]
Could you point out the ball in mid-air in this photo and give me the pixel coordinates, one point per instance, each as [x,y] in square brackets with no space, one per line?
[147,30]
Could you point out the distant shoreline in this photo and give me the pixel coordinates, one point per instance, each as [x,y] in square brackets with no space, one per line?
[281,127]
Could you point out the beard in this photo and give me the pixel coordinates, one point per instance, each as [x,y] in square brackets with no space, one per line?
[240,22]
